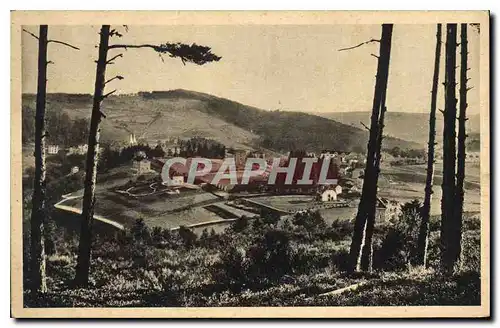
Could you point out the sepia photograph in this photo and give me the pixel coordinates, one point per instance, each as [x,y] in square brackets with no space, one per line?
[250,164]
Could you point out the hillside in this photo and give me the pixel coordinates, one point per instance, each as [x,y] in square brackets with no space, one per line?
[181,113]
[407,126]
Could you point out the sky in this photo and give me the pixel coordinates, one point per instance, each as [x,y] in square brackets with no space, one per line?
[286,67]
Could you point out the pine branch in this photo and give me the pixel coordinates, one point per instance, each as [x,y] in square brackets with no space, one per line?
[63,43]
[33,35]
[186,53]
[359,45]
[364,125]
[115,32]
[119,77]
[110,60]
[108,94]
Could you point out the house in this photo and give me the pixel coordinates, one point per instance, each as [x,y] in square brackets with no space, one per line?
[178,180]
[344,169]
[388,209]
[339,156]
[328,195]
[357,173]
[79,150]
[52,149]
[142,166]
[472,156]
[257,154]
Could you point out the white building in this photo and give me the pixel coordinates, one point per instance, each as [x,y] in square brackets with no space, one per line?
[142,166]
[178,180]
[79,150]
[75,169]
[52,149]
[329,195]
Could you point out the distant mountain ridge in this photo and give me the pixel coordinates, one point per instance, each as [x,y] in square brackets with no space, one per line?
[407,126]
[160,115]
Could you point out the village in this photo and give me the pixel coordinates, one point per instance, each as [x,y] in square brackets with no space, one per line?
[201,203]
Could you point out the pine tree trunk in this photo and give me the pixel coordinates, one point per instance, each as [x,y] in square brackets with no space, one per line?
[423,234]
[448,252]
[84,250]
[459,191]
[368,197]
[367,250]
[37,265]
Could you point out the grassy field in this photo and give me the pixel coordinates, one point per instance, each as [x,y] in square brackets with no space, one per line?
[405,183]
[286,202]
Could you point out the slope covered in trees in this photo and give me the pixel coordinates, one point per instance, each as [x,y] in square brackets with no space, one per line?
[191,114]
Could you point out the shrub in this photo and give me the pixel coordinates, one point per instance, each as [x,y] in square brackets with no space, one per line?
[340,229]
[240,224]
[311,220]
[471,222]
[187,236]
[269,216]
[269,257]
[229,270]
[140,231]
[158,237]
[306,258]
[398,247]
[471,251]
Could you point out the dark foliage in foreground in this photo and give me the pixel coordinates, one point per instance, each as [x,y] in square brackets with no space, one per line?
[257,262]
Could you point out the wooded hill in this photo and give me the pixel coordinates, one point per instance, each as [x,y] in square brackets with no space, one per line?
[153,116]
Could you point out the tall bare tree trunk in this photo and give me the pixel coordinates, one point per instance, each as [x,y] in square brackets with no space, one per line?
[37,267]
[367,249]
[459,191]
[84,250]
[423,234]
[448,253]
[364,222]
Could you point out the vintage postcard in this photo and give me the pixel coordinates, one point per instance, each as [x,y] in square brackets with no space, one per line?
[250,164]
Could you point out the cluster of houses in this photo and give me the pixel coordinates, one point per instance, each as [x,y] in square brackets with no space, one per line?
[345,170]
[343,167]
[53,149]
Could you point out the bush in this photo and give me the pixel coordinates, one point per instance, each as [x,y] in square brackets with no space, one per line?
[311,220]
[471,222]
[269,217]
[471,251]
[187,236]
[240,224]
[229,270]
[140,231]
[269,257]
[398,247]
[340,229]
